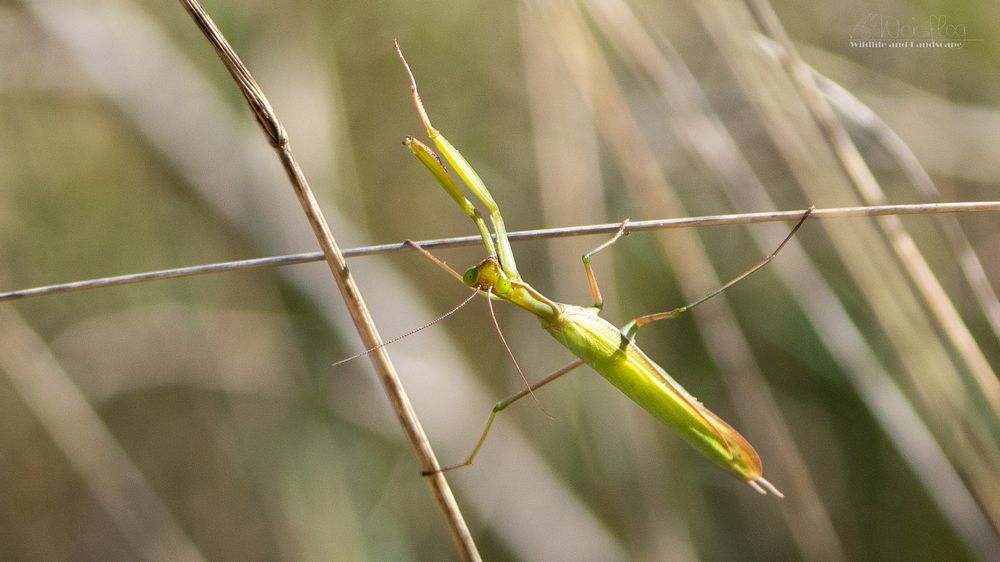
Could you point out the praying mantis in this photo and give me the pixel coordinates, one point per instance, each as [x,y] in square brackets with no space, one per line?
[610,351]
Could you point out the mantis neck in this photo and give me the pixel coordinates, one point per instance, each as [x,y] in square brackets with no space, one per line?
[527,298]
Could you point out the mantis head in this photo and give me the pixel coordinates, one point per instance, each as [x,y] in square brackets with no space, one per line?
[488,276]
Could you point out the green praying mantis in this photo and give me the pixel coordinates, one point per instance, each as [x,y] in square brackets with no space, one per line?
[610,351]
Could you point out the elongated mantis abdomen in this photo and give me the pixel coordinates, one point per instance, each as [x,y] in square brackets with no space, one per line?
[601,346]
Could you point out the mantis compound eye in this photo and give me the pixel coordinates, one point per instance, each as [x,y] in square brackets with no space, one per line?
[471,276]
[502,286]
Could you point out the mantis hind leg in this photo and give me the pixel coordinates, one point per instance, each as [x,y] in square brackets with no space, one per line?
[595,291]
[499,407]
[629,330]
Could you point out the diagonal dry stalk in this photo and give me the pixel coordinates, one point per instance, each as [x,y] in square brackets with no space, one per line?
[928,369]
[854,167]
[867,120]
[864,117]
[684,110]
[349,290]
[115,480]
[323,287]
[126,71]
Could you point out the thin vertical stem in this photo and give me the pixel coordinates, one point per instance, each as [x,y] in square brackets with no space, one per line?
[278,137]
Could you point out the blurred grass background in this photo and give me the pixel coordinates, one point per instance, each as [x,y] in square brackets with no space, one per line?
[201,417]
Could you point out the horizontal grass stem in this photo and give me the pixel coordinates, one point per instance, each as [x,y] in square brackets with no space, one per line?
[538,234]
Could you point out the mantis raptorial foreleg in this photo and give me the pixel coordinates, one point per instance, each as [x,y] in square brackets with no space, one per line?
[501,406]
[629,330]
[468,174]
[431,161]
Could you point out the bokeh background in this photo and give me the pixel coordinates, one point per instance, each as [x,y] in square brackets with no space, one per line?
[202,417]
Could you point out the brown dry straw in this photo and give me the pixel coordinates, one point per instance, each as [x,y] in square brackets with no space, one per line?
[276,134]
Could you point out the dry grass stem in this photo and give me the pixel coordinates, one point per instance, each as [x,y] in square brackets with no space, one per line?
[869,121]
[345,282]
[128,499]
[843,362]
[517,236]
[905,249]
[929,373]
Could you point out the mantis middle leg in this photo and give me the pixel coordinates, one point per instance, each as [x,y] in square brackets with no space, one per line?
[629,330]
